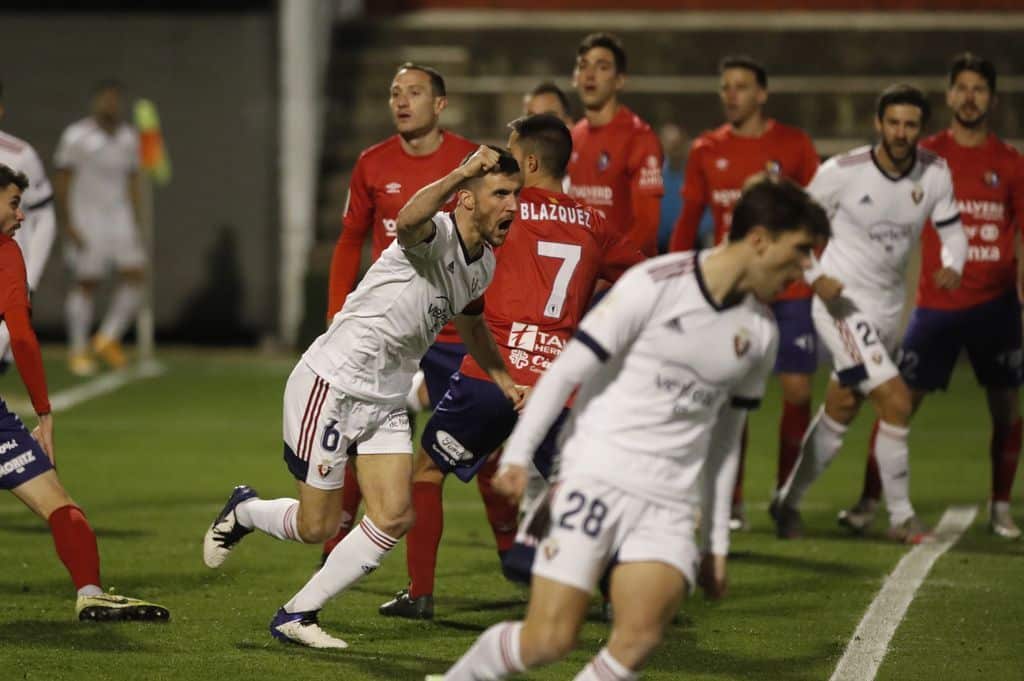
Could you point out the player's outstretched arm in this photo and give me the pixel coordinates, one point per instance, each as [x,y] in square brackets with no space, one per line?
[414,220]
[481,346]
[29,360]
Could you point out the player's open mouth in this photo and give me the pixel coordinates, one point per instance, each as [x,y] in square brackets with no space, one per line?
[505,225]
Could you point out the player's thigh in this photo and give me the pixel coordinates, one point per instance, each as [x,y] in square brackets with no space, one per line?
[438,364]
[798,341]
[25,469]
[554,616]
[91,261]
[645,597]
[425,469]
[319,512]
[994,343]
[384,468]
[929,350]
[128,253]
[858,344]
[470,422]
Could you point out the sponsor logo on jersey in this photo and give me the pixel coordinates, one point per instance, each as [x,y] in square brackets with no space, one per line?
[597,194]
[722,163]
[989,232]
[390,227]
[890,234]
[393,187]
[865,200]
[18,463]
[675,325]
[805,342]
[650,175]
[450,448]
[741,342]
[532,347]
[917,194]
[604,159]
[8,446]
[520,359]
[726,197]
[450,267]
[440,313]
[983,210]
[367,569]
[570,215]
[992,178]
[689,393]
[984,254]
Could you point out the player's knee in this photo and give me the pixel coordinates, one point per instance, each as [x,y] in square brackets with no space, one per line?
[547,642]
[796,388]
[633,645]
[317,530]
[396,522]
[898,405]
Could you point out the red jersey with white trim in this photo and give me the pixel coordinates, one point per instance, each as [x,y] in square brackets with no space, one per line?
[546,271]
[384,179]
[616,168]
[721,161]
[988,182]
[14,309]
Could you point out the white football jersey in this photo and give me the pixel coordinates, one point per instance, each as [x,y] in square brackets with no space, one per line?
[19,155]
[877,220]
[101,165]
[673,359]
[374,343]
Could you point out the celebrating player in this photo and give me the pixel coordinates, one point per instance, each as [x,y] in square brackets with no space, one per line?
[879,199]
[983,315]
[720,162]
[616,160]
[346,396]
[26,464]
[546,274]
[664,362]
[37,232]
[384,179]
[97,191]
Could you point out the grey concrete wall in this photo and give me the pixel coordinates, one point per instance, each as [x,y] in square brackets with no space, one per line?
[214,80]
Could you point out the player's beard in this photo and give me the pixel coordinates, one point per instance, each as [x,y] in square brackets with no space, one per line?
[972,124]
[899,160]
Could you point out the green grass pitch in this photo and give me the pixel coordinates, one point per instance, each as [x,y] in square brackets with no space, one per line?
[152,463]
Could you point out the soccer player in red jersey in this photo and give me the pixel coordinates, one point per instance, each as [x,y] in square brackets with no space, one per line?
[384,179]
[720,162]
[616,161]
[26,459]
[557,250]
[983,315]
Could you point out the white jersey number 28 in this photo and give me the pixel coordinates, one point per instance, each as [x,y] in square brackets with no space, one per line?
[570,255]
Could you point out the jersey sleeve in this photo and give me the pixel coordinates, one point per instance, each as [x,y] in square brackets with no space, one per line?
[39,192]
[646,189]
[620,253]
[66,156]
[826,185]
[694,192]
[750,390]
[348,250]
[808,161]
[434,247]
[944,212]
[610,328]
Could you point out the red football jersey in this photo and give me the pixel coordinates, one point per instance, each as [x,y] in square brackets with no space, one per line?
[384,179]
[616,168]
[721,161]
[547,268]
[14,307]
[988,182]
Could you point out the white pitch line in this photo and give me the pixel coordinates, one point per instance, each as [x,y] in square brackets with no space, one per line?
[866,650]
[97,387]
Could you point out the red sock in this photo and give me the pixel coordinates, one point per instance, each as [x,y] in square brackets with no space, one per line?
[872,478]
[76,545]
[737,490]
[502,514]
[351,497]
[795,419]
[423,539]
[1005,453]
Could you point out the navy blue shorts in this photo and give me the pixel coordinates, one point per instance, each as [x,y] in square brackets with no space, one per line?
[472,420]
[21,457]
[441,361]
[989,332]
[798,342]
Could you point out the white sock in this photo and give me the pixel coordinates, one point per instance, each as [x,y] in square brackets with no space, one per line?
[277,517]
[90,590]
[495,655]
[823,440]
[604,667]
[358,554]
[893,458]
[78,310]
[122,311]
[412,400]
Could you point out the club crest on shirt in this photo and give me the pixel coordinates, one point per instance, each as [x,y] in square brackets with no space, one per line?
[722,163]
[741,342]
[917,193]
[393,187]
[604,159]
[876,357]
[992,179]
[324,469]
[773,168]
[549,548]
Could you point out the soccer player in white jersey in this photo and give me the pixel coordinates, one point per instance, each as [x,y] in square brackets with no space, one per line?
[97,190]
[878,198]
[666,364]
[40,226]
[347,394]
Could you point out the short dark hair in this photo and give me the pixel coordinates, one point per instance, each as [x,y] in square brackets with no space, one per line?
[106,84]
[608,41]
[546,136]
[743,61]
[507,164]
[9,176]
[902,93]
[968,61]
[436,79]
[549,88]
[779,205]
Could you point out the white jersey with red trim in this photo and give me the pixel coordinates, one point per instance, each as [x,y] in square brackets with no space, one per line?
[374,343]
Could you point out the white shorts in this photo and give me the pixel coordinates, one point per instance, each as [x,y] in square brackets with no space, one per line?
[592,521]
[114,248]
[323,426]
[862,347]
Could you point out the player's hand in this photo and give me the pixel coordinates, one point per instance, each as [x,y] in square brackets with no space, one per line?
[947,278]
[712,577]
[827,288]
[516,394]
[510,482]
[481,162]
[43,434]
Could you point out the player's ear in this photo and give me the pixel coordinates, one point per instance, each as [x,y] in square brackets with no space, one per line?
[620,81]
[762,96]
[878,125]
[439,105]
[759,238]
[466,198]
